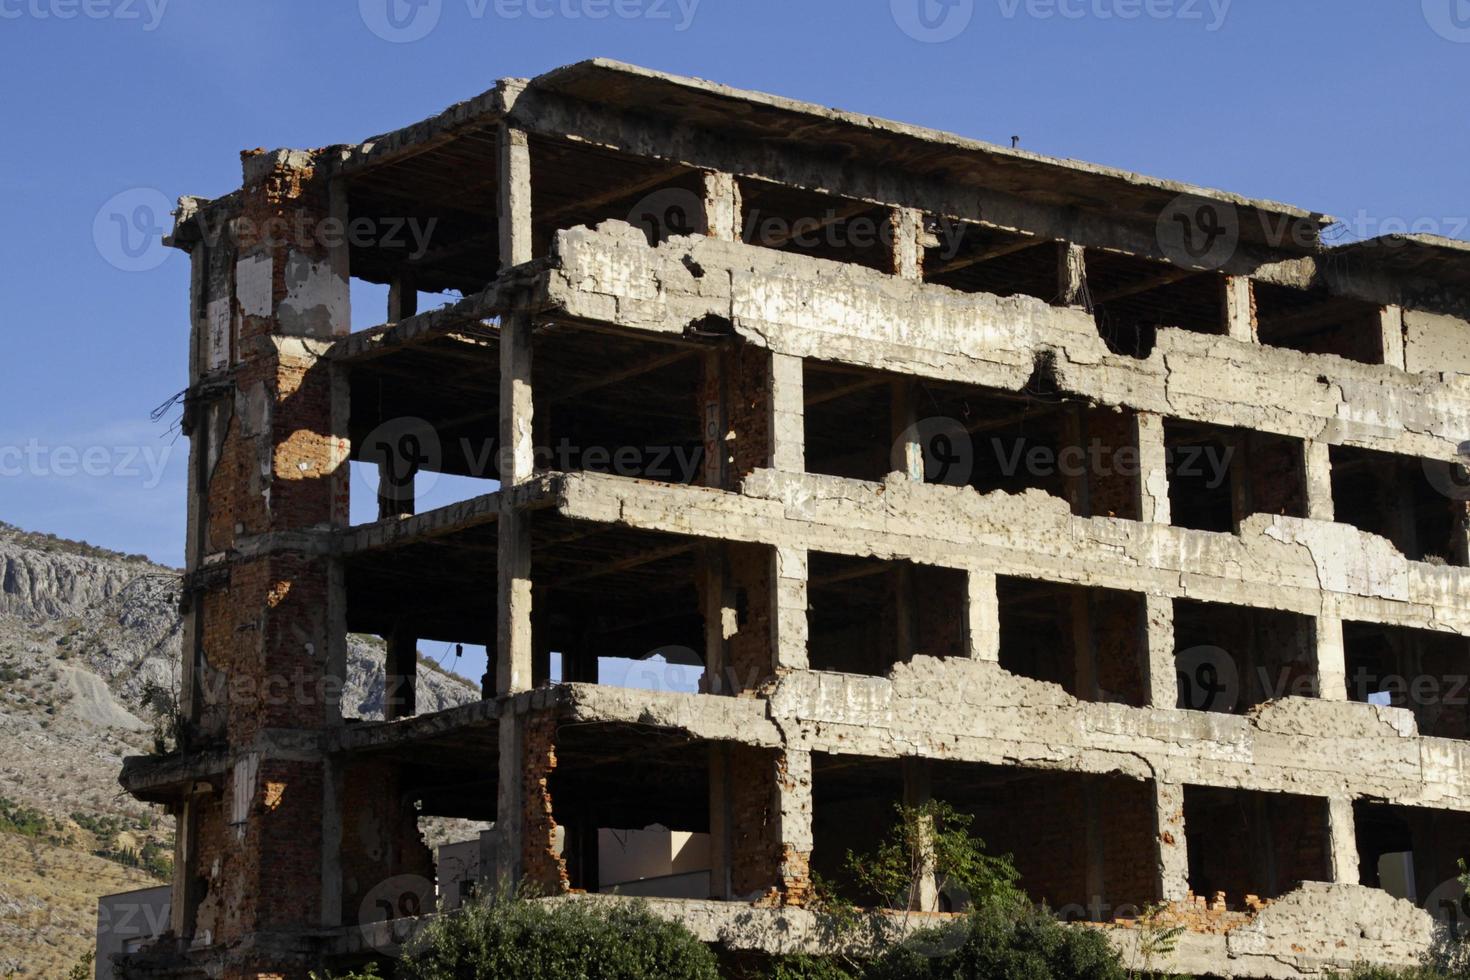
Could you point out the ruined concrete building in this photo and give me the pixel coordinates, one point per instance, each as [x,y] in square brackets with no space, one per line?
[1123,515]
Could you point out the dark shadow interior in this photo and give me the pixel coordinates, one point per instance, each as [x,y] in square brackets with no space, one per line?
[1412,853]
[822,226]
[985,438]
[1231,658]
[1218,476]
[1315,322]
[1088,640]
[1244,843]
[1083,844]
[866,614]
[1393,497]
[975,258]
[1423,671]
[1132,298]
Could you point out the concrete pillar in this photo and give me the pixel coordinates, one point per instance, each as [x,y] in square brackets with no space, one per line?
[721,822]
[1163,681]
[790,622]
[400,683]
[1071,274]
[514,640]
[907,228]
[924,893]
[788,414]
[794,816]
[983,616]
[1317,459]
[1172,866]
[720,619]
[1153,469]
[1391,328]
[510,816]
[515,197]
[403,297]
[1084,646]
[1332,679]
[1342,826]
[395,490]
[1240,309]
[722,207]
[907,456]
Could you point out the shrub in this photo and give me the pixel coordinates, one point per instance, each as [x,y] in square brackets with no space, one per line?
[1004,941]
[504,936]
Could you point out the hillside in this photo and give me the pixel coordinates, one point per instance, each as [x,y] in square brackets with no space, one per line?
[83,633]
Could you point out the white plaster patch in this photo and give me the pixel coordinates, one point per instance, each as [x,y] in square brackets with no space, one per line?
[217,335]
[253,285]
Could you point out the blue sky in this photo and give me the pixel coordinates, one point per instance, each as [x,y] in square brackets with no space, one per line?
[1354,107]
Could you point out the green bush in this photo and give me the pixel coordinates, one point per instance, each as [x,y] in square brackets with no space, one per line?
[505,938]
[1004,941]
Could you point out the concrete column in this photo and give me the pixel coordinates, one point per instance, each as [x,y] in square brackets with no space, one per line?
[403,297]
[721,823]
[1153,469]
[510,817]
[788,414]
[907,226]
[907,456]
[1240,309]
[1163,681]
[1084,646]
[790,623]
[1391,328]
[983,616]
[515,197]
[395,490]
[1342,825]
[794,813]
[722,207]
[924,893]
[1332,679]
[400,683]
[1172,866]
[1317,459]
[514,640]
[718,615]
[1071,274]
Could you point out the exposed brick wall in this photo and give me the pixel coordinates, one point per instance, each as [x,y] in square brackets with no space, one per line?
[541,864]
[380,834]
[1113,480]
[751,659]
[1126,816]
[941,597]
[755,851]
[1119,636]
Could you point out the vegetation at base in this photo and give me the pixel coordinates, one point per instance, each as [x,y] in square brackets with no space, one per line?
[83,969]
[17,819]
[504,936]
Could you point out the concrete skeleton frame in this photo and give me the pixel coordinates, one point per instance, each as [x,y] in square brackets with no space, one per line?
[873,628]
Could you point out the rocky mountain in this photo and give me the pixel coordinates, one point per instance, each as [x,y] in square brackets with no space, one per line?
[84,632]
